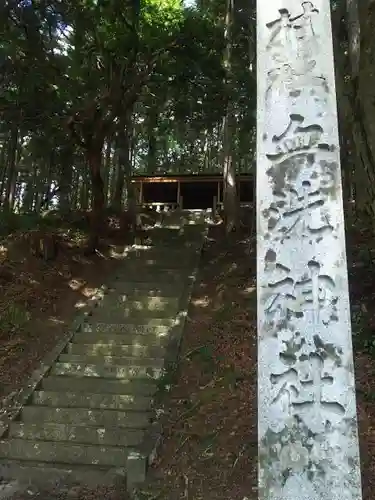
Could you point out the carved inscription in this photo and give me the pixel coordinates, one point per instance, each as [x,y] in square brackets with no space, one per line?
[305,349]
[298,213]
[290,296]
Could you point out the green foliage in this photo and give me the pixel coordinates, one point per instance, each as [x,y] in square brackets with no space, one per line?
[73,72]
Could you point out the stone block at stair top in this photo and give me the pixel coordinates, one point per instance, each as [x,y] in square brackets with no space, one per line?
[90,385]
[140,339]
[105,371]
[92,400]
[76,434]
[123,350]
[86,417]
[112,360]
[63,453]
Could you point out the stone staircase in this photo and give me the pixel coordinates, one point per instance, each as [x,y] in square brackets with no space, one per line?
[92,409]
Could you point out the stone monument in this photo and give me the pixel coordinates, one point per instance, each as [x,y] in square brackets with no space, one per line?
[307,423]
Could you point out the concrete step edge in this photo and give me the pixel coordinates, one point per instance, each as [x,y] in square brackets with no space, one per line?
[141,361]
[106,436]
[34,472]
[107,386]
[93,400]
[102,371]
[62,452]
[124,350]
[85,416]
[145,340]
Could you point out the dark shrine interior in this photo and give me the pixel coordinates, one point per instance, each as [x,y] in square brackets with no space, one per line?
[196,195]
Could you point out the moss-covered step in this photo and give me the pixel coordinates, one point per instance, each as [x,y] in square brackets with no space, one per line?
[150,288]
[115,313]
[149,303]
[63,453]
[172,261]
[92,400]
[111,360]
[83,416]
[110,349]
[143,275]
[158,339]
[145,326]
[107,436]
[90,385]
[105,371]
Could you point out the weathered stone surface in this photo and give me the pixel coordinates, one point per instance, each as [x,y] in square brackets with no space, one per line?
[114,312]
[308,443]
[83,416]
[89,384]
[115,339]
[144,275]
[74,433]
[111,360]
[146,302]
[105,371]
[92,400]
[63,453]
[151,288]
[149,326]
[128,351]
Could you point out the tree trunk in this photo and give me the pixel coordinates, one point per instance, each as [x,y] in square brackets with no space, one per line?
[152,141]
[229,168]
[124,160]
[12,174]
[94,158]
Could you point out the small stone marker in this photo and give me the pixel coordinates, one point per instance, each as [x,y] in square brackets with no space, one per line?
[307,424]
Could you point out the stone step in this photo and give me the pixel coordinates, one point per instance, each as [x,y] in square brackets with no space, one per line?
[92,400]
[108,312]
[117,339]
[142,275]
[100,436]
[86,417]
[118,350]
[148,304]
[141,300]
[155,254]
[64,453]
[103,371]
[91,385]
[177,230]
[34,473]
[173,260]
[112,360]
[150,289]
[156,326]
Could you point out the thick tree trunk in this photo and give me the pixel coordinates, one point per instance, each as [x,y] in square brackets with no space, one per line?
[353,123]
[12,173]
[229,168]
[229,177]
[94,158]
